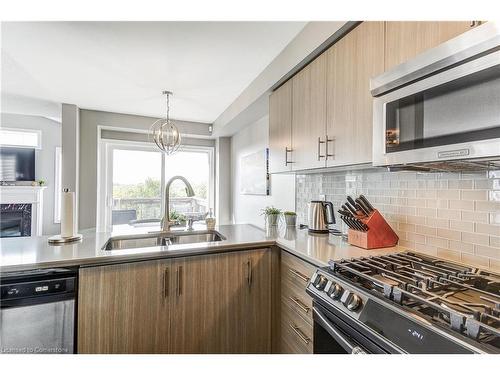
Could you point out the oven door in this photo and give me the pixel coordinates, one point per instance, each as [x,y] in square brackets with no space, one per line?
[334,335]
[451,115]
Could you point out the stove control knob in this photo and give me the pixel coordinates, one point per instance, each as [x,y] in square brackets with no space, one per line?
[335,291]
[320,282]
[350,300]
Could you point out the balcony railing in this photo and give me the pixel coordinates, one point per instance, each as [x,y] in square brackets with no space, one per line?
[126,209]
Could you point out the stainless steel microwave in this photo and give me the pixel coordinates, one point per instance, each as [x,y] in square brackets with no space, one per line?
[443,105]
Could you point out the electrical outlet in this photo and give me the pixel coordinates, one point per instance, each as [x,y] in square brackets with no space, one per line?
[322,197]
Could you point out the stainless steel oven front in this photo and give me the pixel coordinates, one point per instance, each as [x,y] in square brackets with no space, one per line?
[452,113]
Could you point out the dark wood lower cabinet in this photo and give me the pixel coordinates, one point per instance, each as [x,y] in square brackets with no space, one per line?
[220,303]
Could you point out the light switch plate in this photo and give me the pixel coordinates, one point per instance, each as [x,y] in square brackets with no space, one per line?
[322,197]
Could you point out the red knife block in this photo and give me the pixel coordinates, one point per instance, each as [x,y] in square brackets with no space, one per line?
[378,235]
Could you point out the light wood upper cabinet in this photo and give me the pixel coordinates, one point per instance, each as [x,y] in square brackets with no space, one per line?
[331,104]
[405,40]
[351,63]
[309,115]
[280,129]
[123,308]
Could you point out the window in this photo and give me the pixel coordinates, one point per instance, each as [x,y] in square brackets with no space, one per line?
[136,185]
[195,166]
[132,183]
[21,137]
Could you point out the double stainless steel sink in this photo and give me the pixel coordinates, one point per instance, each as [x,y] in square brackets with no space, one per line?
[161,239]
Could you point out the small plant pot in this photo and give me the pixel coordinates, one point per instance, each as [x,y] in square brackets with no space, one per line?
[290,234]
[272,219]
[272,231]
[290,220]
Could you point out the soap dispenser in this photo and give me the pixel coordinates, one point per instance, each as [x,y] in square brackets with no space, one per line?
[210,220]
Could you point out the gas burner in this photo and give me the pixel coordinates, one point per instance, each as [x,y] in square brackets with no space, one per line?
[465,299]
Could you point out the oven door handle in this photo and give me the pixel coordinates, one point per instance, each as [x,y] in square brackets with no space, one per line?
[323,321]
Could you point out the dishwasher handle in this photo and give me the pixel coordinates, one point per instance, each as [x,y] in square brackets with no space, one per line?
[343,341]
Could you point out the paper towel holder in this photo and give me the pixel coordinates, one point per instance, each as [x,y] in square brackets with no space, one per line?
[60,240]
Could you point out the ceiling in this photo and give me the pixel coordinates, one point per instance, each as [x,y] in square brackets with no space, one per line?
[124,66]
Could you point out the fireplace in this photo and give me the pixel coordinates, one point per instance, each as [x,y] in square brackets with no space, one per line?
[15,220]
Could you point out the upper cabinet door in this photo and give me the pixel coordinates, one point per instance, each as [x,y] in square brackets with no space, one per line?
[405,40]
[351,63]
[280,129]
[309,115]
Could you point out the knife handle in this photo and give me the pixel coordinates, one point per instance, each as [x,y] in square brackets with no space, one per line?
[351,201]
[346,210]
[351,208]
[366,202]
[362,207]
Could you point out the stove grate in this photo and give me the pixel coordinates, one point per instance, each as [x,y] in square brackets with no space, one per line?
[467,299]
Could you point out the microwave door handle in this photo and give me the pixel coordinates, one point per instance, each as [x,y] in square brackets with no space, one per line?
[332,331]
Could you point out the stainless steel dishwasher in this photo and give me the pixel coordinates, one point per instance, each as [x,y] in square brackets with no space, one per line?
[37,311]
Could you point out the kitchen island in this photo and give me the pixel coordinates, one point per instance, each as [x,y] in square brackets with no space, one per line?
[244,293]
[24,253]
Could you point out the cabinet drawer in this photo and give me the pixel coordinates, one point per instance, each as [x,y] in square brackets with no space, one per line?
[295,270]
[296,333]
[297,299]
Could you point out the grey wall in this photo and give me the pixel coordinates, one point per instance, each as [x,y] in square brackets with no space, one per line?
[223,180]
[89,122]
[70,151]
[44,159]
[246,208]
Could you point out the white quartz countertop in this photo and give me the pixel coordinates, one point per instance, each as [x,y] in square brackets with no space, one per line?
[24,253]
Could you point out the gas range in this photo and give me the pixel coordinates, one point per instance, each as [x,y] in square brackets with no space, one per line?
[408,303]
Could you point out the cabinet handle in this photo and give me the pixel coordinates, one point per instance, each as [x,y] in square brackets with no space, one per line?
[299,275]
[328,140]
[166,283]
[179,281]
[299,333]
[320,142]
[249,272]
[287,150]
[300,304]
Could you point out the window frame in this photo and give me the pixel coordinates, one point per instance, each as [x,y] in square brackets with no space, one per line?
[105,174]
[23,130]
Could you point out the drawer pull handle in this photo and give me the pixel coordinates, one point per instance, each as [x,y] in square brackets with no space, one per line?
[299,275]
[300,304]
[249,273]
[166,283]
[179,281]
[299,333]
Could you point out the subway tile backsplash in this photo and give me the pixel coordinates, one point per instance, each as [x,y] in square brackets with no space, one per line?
[451,215]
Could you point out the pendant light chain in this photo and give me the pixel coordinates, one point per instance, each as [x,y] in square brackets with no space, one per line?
[168,107]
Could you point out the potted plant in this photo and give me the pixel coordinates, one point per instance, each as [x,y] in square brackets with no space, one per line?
[290,218]
[177,218]
[271,215]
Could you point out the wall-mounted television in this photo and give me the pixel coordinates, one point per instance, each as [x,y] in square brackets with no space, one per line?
[17,164]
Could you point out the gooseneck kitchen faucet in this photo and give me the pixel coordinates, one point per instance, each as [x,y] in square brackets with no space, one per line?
[165,222]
